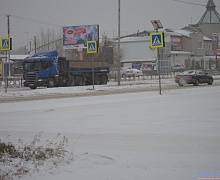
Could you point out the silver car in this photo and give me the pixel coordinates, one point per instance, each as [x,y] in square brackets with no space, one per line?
[178,67]
[124,72]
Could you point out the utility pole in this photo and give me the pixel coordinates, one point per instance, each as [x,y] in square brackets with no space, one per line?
[119,54]
[29,47]
[35,44]
[8,22]
[27,43]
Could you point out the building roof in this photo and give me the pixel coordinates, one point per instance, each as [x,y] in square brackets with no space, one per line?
[211,16]
[186,33]
[139,60]
[180,53]
[15,57]
[133,39]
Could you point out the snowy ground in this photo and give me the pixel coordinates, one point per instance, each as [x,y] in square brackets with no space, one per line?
[126,136]
[147,83]
[16,91]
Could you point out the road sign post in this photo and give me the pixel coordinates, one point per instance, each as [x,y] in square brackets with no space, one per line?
[6,45]
[157,41]
[92,48]
[1,69]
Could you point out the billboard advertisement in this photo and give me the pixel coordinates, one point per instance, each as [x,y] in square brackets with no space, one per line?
[75,37]
[216,43]
[149,67]
[176,43]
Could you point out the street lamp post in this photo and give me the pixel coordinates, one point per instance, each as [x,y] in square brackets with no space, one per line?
[119,59]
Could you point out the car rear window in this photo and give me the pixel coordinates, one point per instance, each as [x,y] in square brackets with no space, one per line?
[188,73]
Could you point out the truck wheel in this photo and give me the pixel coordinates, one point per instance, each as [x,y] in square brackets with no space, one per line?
[79,81]
[50,83]
[96,80]
[63,82]
[71,81]
[104,79]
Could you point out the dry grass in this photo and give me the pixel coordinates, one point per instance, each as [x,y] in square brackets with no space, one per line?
[24,159]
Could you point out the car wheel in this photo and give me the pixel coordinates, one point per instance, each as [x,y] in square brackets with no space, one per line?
[123,76]
[196,82]
[180,84]
[33,87]
[210,82]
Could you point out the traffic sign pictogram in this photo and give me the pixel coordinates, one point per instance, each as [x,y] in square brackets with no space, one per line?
[157,40]
[92,47]
[5,44]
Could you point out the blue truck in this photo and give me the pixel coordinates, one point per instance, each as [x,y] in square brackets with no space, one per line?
[48,70]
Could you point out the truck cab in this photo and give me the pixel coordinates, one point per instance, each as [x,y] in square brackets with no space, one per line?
[39,67]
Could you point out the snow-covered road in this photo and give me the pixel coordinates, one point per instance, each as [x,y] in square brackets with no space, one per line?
[126,136]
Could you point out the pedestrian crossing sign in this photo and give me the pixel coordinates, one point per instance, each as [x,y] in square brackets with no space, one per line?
[5,44]
[92,47]
[157,40]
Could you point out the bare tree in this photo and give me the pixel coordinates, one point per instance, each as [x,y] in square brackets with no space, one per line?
[117,56]
[49,40]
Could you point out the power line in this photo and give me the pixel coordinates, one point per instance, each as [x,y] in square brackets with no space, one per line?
[192,3]
[37,21]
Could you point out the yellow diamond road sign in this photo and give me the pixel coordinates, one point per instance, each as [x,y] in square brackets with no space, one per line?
[92,47]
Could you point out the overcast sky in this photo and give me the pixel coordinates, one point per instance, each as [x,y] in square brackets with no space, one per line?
[28,17]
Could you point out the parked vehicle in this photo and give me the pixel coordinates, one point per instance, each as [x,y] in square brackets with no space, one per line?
[49,70]
[194,77]
[124,72]
[137,72]
[178,68]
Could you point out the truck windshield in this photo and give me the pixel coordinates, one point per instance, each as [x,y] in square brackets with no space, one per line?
[33,66]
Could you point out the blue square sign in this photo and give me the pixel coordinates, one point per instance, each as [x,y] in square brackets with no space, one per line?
[157,40]
[5,44]
[92,47]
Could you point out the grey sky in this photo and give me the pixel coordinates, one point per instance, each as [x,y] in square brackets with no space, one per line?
[135,15]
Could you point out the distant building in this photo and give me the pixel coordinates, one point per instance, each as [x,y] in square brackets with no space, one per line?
[16,66]
[200,37]
[192,43]
[210,21]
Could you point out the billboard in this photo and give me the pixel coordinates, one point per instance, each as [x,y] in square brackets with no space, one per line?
[176,43]
[149,67]
[75,37]
[216,43]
